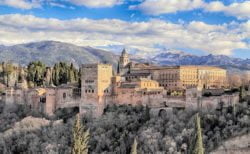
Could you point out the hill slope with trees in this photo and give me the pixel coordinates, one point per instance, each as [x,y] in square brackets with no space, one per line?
[117,129]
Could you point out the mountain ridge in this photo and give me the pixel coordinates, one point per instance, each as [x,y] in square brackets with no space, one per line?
[170,58]
[51,52]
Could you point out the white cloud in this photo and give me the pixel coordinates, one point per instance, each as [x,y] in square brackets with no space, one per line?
[57,5]
[96,3]
[202,27]
[216,39]
[239,10]
[30,4]
[22,4]
[157,7]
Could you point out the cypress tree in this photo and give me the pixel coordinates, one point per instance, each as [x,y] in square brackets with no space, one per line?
[50,82]
[56,75]
[134,147]
[36,72]
[76,75]
[80,138]
[198,147]
[36,78]
[8,69]
[71,76]
[71,66]
[147,114]
[242,93]
[79,78]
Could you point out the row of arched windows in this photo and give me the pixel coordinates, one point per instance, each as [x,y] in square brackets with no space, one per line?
[89,91]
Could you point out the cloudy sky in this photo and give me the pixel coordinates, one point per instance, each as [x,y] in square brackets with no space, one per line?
[144,26]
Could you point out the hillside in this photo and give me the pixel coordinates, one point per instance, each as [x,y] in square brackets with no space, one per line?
[27,124]
[239,145]
[51,52]
[115,130]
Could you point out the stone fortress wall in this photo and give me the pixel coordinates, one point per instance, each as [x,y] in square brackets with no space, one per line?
[134,84]
[45,100]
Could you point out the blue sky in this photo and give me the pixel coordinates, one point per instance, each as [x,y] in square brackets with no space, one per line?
[68,10]
[145,27]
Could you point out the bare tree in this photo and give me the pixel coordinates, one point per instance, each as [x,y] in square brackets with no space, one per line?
[234,80]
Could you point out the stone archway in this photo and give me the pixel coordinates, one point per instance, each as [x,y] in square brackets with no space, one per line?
[162,113]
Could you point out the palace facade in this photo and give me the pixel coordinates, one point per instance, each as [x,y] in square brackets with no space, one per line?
[174,77]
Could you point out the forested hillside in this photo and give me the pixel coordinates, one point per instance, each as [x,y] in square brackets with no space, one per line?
[116,130]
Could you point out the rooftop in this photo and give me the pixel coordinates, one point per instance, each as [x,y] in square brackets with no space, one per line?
[41,91]
[95,65]
[71,85]
[201,67]
[124,51]
[137,74]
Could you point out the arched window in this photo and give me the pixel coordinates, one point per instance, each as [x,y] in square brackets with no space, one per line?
[64,95]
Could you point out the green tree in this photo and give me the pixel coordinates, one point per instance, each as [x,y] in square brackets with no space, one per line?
[242,93]
[64,73]
[36,78]
[36,72]
[55,75]
[8,69]
[198,148]
[78,78]
[63,78]
[80,138]
[71,77]
[20,77]
[134,147]
[146,116]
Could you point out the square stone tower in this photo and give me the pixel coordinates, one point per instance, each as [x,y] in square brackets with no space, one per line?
[95,87]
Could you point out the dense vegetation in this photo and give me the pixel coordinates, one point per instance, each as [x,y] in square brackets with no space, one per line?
[9,114]
[38,74]
[61,73]
[117,129]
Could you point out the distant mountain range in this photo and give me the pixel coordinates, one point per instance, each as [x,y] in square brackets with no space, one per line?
[51,52]
[181,58]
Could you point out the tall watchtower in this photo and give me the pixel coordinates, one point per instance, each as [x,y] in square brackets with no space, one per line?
[95,86]
[124,58]
[123,63]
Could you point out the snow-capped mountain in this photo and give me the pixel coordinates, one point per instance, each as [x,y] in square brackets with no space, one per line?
[181,58]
